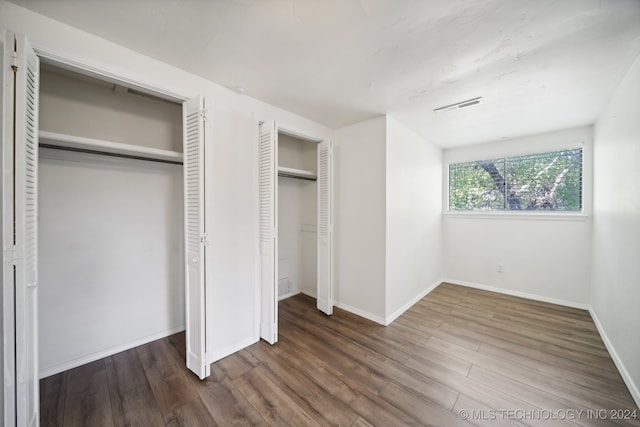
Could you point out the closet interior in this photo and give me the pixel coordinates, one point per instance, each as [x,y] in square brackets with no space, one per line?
[111,229]
[297,216]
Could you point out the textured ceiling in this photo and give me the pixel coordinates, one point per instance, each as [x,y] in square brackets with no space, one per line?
[539,65]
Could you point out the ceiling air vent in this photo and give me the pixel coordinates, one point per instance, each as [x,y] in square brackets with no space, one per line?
[459,105]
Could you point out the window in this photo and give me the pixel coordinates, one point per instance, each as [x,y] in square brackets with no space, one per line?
[549,181]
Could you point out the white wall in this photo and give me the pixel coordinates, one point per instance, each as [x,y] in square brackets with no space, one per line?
[387,227]
[615,287]
[232,222]
[111,268]
[359,218]
[413,217]
[289,236]
[546,257]
[232,181]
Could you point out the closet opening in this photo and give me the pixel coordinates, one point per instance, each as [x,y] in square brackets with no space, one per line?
[297,216]
[111,218]
[295,222]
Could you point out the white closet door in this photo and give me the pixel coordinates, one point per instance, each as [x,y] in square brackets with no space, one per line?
[8,321]
[269,231]
[325,228]
[195,137]
[20,235]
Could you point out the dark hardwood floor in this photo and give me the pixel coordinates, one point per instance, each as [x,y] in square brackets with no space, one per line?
[458,353]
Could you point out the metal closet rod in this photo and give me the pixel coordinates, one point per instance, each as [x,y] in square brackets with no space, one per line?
[104,153]
[287,175]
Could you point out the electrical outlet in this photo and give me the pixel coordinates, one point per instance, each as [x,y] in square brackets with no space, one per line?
[500,268]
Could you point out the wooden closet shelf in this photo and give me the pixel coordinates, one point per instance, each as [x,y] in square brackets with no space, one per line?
[82,143]
[296,173]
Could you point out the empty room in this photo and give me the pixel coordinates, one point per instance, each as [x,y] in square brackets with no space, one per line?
[306,212]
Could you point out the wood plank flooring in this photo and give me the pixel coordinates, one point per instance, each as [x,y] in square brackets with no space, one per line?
[460,356]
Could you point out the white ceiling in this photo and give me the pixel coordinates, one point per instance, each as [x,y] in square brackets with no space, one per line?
[540,65]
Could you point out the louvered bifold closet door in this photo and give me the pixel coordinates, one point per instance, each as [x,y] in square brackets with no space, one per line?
[195,135]
[268,194]
[325,228]
[6,176]
[20,237]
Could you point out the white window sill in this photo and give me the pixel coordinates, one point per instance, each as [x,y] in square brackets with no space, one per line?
[528,216]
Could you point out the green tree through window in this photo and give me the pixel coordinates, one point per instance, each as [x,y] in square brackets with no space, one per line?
[549,181]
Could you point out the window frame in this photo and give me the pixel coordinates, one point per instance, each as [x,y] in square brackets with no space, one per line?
[586,187]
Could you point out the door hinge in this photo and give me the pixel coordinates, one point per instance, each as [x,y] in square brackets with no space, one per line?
[10,256]
[14,61]
[203,114]
[204,239]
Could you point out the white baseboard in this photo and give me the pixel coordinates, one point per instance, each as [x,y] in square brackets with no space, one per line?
[526,295]
[312,294]
[227,351]
[287,295]
[631,385]
[409,304]
[47,372]
[387,321]
[361,313]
